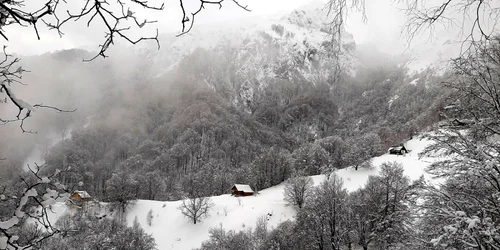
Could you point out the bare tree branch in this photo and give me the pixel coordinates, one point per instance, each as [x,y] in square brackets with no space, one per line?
[39,193]
[339,9]
[185,19]
[421,18]
[118,19]
[9,75]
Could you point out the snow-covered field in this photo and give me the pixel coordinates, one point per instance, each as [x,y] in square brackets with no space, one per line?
[174,231]
[413,166]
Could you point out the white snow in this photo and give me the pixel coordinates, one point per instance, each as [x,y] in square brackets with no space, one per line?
[473,222]
[22,104]
[172,230]
[451,229]
[3,242]
[50,194]
[45,180]
[24,200]
[414,81]
[9,223]
[392,100]
[48,202]
[14,238]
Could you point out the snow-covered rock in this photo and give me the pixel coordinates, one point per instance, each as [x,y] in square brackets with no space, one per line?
[293,46]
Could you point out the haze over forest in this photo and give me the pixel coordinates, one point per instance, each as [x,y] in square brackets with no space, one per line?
[300,100]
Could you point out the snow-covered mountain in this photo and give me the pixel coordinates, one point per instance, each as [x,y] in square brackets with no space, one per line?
[246,56]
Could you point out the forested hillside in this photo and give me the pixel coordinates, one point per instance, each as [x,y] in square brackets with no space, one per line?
[177,136]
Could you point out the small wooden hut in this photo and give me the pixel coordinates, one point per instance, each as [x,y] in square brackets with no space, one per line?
[242,190]
[397,150]
[80,196]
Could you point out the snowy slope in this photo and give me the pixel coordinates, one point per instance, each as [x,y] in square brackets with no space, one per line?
[414,167]
[173,231]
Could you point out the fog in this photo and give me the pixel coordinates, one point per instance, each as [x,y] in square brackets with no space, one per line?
[58,76]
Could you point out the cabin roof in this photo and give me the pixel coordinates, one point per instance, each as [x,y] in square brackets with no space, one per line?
[397,148]
[243,187]
[83,194]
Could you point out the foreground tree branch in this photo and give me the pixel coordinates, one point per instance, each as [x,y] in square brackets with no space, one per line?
[185,19]
[31,206]
[338,10]
[421,17]
[117,17]
[10,75]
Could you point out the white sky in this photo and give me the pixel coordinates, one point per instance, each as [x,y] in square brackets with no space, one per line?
[382,27]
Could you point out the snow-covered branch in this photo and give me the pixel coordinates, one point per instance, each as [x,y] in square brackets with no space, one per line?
[40,193]
[9,76]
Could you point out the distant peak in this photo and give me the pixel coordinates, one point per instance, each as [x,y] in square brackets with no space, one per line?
[310,15]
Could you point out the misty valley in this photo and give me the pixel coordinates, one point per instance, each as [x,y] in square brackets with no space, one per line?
[293,127]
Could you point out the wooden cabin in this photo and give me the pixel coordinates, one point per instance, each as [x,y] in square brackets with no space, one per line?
[398,150]
[80,196]
[242,190]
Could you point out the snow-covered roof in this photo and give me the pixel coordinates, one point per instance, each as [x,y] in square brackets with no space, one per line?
[243,187]
[83,194]
[396,148]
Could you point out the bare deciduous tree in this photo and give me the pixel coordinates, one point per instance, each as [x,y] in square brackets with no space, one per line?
[297,190]
[196,208]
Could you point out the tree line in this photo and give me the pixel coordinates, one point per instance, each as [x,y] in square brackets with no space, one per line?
[192,141]
[390,212]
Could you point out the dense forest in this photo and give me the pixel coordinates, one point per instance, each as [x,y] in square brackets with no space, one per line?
[190,135]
